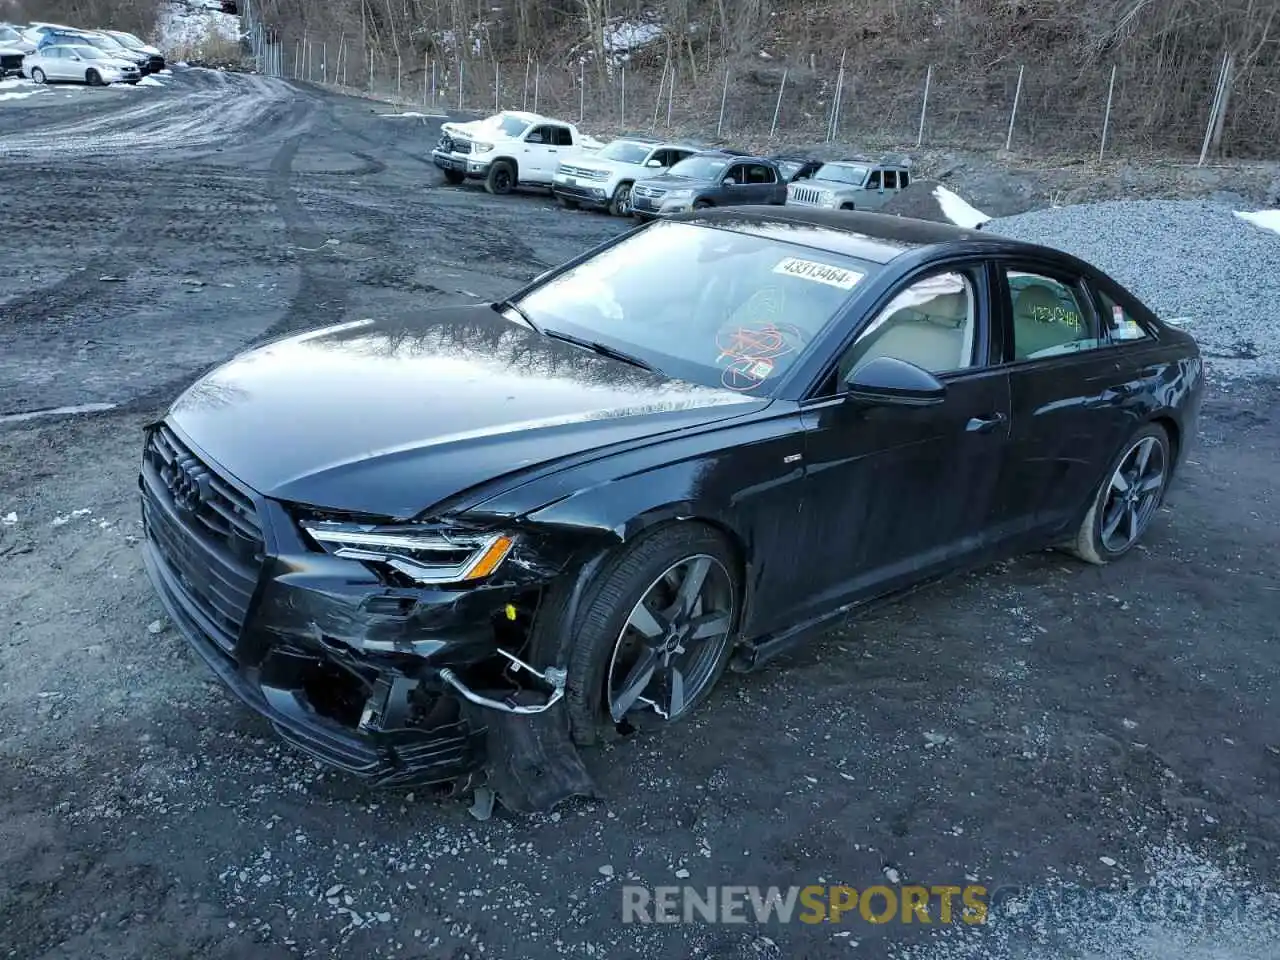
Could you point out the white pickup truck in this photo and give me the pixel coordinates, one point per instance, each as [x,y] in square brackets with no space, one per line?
[508,149]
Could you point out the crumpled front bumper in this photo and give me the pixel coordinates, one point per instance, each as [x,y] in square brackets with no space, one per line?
[467,164]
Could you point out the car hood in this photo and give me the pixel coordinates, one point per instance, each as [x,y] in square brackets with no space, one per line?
[668,182]
[390,419]
[11,50]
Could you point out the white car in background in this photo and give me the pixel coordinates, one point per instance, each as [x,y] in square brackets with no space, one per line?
[604,179]
[79,64]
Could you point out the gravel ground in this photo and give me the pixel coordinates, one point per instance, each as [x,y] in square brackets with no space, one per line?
[1190,261]
[1036,724]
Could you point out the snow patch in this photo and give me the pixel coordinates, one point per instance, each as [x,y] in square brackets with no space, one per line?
[150,82]
[19,95]
[181,27]
[1266,219]
[958,210]
[624,36]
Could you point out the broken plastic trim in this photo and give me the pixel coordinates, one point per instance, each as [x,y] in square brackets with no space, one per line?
[554,676]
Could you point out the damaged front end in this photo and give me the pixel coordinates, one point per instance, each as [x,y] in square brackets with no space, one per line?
[398,655]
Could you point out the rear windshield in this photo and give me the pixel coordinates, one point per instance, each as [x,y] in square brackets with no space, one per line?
[706,305]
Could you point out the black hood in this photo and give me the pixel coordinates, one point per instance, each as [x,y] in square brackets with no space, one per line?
[382,419]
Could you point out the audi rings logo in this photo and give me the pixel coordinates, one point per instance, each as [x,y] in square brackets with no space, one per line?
[186,484]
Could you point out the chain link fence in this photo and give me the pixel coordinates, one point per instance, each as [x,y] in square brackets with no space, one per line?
[1108,109]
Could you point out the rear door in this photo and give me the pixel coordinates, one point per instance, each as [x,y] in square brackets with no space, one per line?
[1069,390]
[540,154]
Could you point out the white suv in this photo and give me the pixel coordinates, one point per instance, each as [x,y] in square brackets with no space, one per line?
[604,179]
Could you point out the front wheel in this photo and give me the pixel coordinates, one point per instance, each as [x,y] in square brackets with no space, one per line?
[620,205]
[37,75]
[454,177]
[656,631]
[566,202]
[1127,499]
[701,204]
[93,78]
[501,178]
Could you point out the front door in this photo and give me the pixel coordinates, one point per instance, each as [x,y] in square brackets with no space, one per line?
[895,494]
[1068,387]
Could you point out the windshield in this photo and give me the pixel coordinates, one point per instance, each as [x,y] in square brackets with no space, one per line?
[625,151]
[701,304]
[9,35]
[700,167]
[128,40]
[842,173]
[509,125]
[107,43]
[789,168]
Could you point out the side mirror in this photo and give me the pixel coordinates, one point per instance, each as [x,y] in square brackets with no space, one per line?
[888,381]
[730,182]
[653,163]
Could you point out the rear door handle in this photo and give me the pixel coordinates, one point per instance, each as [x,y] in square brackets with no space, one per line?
[985,424]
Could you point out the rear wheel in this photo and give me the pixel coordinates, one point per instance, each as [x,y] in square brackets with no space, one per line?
[502,177]
[1127,499]
[454,177]
[37,75]
[655,632]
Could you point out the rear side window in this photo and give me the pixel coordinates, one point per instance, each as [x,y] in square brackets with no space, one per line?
[1049,317]
[1120,326]
[562,136]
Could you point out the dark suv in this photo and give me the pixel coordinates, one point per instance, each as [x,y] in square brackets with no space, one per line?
[713,178]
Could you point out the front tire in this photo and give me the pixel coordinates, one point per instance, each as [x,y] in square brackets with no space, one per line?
[620,204]
[454,177]
[502,177]
[701,205]
[37,75]
[1127,499]
[655,632]
[93,78]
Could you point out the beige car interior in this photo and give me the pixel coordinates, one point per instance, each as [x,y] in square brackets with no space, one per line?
[936,335]
[1041,322]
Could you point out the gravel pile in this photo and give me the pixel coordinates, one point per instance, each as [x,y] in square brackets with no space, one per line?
[1199,264]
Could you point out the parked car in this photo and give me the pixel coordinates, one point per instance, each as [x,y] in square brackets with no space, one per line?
[851,185]
[111,47]
[794,167]
[156,63]
[604,179]
[12,38]
[509,149]
[79,64]
[632,472]
[707,179]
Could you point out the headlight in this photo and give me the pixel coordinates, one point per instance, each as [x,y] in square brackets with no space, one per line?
[424,554]
[679,195]
[481,147]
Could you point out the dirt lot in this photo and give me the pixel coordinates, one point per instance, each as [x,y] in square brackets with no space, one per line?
[1038,724]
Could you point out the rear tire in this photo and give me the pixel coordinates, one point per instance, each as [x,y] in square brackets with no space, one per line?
[502,177]
[453,177]
[600,645]
[1127,499]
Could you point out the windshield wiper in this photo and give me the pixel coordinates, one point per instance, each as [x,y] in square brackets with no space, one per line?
[603,349]
[510,305]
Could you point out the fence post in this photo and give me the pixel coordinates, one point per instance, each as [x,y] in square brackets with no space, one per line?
[834,119]
[778,106]
[724,97]
[671,90]
[461,66]
[1214,109]
[399,76]
[345,58]
[496,85]
[297,57]
[1106,118]
[537,75]
[924,107]
[528,65]
[657,103]
[434,100]
[1228,79]
[371,71]
[1013,116]
[324,62]
[582,91]
[622,114]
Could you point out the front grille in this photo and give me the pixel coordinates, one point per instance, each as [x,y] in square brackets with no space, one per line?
[582,173]
[211,542]
[156,64]
[805,195]
[648,193]
[455,146]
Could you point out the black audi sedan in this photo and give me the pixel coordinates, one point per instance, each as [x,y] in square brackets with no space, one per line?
[506,529]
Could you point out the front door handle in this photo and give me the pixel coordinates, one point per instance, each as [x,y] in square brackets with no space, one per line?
[985,424]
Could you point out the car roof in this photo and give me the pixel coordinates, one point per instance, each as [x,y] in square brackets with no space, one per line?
[876,237]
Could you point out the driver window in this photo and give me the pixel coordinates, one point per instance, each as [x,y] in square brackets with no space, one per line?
[931,323]
[737,173]
[538,135]
[873,181]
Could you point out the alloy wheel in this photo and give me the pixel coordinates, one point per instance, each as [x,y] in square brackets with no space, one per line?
[624,201]
[668,650]
[1133,494]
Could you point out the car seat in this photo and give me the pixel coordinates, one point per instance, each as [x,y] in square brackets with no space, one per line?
[933,335]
